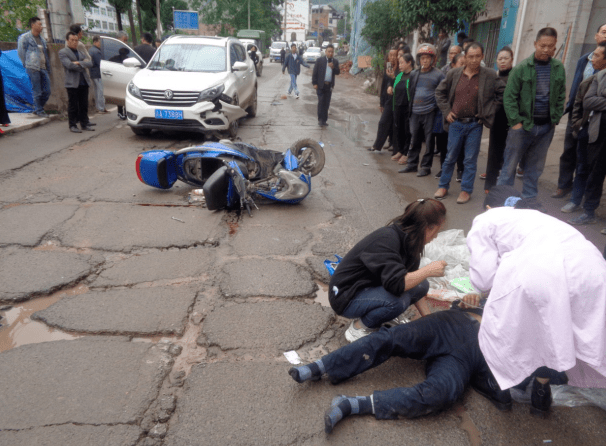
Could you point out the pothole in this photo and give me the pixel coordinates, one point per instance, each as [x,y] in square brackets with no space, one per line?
[322,294]
[19,329]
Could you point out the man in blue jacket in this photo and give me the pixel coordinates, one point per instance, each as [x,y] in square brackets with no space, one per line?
[33,53]
[568,160]
[293,62]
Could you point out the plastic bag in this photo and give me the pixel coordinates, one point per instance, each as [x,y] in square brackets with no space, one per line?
[450,246]
[566,395]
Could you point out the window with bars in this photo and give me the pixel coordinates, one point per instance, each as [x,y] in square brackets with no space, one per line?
[487,33]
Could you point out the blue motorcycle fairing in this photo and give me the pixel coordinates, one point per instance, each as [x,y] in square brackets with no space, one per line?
[157,168]
[272,193]
[290,161]
[217,149]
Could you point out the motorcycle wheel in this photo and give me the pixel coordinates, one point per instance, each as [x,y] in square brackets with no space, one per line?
[315,161]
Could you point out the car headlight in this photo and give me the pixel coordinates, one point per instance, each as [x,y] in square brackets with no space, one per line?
[134,90]
[211,94]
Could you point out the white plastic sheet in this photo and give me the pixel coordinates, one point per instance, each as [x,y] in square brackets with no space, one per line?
[565,395]
[450,246]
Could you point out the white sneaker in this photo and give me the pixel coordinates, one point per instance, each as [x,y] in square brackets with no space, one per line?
[353,334]
[297,96]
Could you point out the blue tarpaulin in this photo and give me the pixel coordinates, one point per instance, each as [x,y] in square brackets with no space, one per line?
[17,87]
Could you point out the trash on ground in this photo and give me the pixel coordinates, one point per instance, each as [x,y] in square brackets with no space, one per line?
[197,197]
[463,284]
[293,357]
[174,218]
[364,164]
[276,103]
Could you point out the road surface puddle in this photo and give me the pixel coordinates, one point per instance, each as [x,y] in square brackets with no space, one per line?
[475,438]
[322,294]
[19,329]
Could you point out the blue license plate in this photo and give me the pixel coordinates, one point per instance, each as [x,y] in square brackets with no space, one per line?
[169,114]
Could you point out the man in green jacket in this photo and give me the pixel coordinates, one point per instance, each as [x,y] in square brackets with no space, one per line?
[534,103]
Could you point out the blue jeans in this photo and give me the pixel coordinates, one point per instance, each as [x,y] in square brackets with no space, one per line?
[448,340]
[466,136]
[40,81]
[376,305]
[534,144]
[293,84]
[583,169]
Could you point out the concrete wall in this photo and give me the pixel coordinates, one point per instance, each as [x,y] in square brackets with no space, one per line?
[58,98]
[597,17]
[493,10]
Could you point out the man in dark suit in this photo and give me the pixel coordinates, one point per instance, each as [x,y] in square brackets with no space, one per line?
[323,80]
[146,50]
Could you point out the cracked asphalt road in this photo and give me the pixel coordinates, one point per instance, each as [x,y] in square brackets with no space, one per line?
[181,326]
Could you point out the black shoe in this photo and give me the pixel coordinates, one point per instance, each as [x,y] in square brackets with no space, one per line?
[122,116]
[438,175]
[408,169]
[325,124]
[488,387]
[540,398]
[92,123]
[423,172]
[88,128]
[42,114]
[459,176]
[75,129]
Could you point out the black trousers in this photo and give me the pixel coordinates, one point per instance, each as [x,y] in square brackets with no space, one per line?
[385,127]
[421,125]
[401,130]
[324,92]
[597,162]
[4,118]
[77,106]
[496,149]
[568,159]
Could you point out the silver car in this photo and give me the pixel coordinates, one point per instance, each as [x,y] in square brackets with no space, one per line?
[312,54]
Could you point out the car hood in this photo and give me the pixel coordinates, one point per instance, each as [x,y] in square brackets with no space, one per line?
[177,80]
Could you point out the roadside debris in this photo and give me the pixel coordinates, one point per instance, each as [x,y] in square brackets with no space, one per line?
[293,357]
[197,197]
[177,219]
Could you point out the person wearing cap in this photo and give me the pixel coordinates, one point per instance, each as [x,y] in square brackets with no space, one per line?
[423,106]
[469,99]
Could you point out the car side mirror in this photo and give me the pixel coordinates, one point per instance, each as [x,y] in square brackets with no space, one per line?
[239,66]
[132,62]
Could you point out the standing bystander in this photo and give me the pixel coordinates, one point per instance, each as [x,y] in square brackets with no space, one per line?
[443,48]
[323,80]
[122,37]
[452,53]
[95,74]
[534,103]
[468,98]
[34,56]
[568,160]
[400,109]
[77,83]
[146,50]
[385,128]
[293,62]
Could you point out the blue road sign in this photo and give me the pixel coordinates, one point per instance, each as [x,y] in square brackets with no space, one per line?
[185,19]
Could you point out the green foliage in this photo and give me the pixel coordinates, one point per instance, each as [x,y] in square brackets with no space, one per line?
[15,13]
[346,19]
[382,26]
[166,12]
[446,14]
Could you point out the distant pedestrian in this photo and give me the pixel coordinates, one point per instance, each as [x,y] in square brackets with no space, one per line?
[423,84]
[122,37]
[533,117]
[385,128]
[282,55]
[77,83]
[95,74]
[33,53]
[5,120]
[468,98]
[323,80]
[158,43]
[146,50]
[293,63]
[461,37]
[443,48]
[568,159]
[401,107]
[452,52]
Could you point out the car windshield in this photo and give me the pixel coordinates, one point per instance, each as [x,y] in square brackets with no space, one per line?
[189,57]
[313,50]
[278,45]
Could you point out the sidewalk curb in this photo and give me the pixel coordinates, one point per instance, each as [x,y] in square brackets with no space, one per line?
[31,125]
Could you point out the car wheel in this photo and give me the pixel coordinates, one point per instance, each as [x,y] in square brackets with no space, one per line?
[141,132]
[252,109]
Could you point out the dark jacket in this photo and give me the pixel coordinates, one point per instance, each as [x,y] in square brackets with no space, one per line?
[490,94]
[72,71]
[521,91]
[293,65]
[146,51]
[382,258]
[576,81]
[387,82]
[595,100]
[95,70]
[317,78]
[579,115]
[414,78]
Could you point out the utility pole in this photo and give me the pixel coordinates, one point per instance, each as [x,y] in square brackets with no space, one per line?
[248,14]
[285,6]
[159,24]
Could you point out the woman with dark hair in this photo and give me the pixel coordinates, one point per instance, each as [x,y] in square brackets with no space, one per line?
[500,128]
[385,129]
[547,301]
[380,278]
[253,56]
[400,105]
[4,118]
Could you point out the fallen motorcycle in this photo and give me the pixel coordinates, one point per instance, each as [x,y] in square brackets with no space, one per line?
[232,173]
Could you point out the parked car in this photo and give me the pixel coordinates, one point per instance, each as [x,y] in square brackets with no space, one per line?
[274,51]
[193,83]
[325,44]
[312,54]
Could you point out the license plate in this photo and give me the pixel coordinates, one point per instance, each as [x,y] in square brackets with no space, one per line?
[169,114]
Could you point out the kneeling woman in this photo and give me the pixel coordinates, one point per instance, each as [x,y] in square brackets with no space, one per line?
[380,277]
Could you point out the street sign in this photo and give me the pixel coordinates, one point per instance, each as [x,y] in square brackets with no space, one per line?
[185,19]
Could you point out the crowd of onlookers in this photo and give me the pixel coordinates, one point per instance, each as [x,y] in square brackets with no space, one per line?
[81,67]
[445,95]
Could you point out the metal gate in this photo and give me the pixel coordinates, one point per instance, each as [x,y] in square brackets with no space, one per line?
[487,33]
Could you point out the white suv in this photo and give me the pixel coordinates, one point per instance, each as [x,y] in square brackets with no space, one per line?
[199,84]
